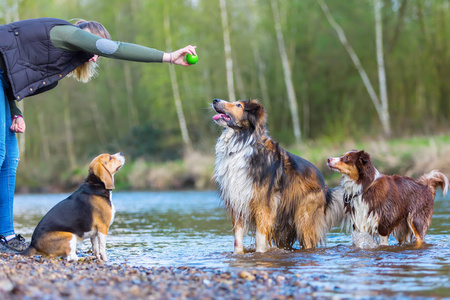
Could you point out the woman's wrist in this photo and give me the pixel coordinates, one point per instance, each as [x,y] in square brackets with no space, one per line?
[168,58]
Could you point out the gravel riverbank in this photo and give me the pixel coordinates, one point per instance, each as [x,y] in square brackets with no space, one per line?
[41,278]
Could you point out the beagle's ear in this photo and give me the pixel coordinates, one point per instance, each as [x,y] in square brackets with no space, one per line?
[103,174]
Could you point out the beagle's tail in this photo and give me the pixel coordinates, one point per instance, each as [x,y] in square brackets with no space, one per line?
[29,251]
[433,180]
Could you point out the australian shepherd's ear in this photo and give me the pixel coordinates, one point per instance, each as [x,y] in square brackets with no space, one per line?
[363,165]
[363,158]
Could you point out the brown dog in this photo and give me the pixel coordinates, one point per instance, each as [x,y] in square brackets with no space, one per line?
[87,213]
[381,205]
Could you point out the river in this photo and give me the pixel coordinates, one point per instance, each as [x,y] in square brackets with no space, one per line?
[191,228]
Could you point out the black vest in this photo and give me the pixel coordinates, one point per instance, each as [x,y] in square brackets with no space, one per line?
[32,63]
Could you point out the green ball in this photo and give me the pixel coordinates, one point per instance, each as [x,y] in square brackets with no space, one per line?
[191,59]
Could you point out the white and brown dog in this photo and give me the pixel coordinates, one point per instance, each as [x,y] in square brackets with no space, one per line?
[87,213]
[381,205]
[266,189]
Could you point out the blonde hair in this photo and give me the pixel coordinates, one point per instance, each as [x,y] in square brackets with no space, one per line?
[86,71]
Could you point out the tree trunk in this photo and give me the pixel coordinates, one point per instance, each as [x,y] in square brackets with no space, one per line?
[68,130]
[175,90]
[287,72]
[132,111]
[381,68]
[97,119]
[398,27]
[260,64]
[42,132]
[306,117]
[261,73]
[10,10]
[227,46]
[129,88]
[115,106]
[384,119]
[239,83]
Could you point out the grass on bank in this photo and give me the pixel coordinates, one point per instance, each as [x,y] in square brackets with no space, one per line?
[411,156]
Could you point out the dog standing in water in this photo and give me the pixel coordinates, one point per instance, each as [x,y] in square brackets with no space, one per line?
[381,205]
[266,189]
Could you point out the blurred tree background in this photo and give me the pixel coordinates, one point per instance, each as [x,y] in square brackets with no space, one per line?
[130,107]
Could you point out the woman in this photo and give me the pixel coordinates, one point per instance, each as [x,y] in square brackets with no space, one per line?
[35,55]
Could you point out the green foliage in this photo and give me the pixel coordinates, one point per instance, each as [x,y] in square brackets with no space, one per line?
[152,143]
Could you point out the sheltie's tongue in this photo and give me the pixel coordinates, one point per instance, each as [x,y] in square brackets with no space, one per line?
[218,116]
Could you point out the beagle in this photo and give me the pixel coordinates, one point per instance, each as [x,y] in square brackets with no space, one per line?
[87,213]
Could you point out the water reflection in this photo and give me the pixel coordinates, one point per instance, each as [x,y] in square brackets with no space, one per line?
[192,229]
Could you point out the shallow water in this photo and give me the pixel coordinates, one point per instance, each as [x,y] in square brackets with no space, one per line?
[192,229]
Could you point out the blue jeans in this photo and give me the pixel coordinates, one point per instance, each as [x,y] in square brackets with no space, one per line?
[9,160]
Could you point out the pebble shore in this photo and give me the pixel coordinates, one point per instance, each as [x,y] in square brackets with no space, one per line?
[41,278]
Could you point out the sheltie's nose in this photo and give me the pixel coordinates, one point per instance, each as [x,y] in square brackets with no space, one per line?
[216,100]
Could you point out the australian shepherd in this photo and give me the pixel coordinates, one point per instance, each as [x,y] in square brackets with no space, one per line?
[267,190]
[381,205]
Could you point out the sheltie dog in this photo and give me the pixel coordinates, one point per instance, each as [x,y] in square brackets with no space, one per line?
[267,190]
[381,205]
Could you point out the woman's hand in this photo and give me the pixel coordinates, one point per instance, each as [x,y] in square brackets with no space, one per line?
[178,55]
[18,125]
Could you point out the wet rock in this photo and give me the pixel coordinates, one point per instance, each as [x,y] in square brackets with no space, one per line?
[246,275]
[6,285]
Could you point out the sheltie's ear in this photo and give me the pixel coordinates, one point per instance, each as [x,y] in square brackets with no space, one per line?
[256,113]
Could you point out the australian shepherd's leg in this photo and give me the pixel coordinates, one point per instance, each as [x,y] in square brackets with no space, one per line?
[418,230]
[238,228]
[310,220]
[384,240]
[403,233]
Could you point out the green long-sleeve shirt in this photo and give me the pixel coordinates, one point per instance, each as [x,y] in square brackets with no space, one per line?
[72,38]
